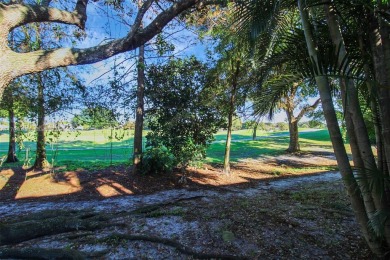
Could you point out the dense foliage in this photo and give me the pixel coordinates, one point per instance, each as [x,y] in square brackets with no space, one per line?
[95,117]
[180,115]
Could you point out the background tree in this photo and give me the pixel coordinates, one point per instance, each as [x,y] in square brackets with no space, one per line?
[229,78]
[279,93]
[15,105]
[95,117]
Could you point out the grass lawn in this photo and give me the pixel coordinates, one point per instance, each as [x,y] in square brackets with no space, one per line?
[97,146]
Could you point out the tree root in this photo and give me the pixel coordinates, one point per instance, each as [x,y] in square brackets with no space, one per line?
[154,207]
[30,229]
[172,243]
[40,253]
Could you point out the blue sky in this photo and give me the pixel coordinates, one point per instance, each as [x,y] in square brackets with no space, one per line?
[101,26]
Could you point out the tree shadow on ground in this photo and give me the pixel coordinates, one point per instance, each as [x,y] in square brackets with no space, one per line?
[100,183]
[12,178]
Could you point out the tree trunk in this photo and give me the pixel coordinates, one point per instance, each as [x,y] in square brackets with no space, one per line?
[351,99]
[337,140]
[232,103]
[376,117]
[11,157]
[254,135]
[353,108]
[139,117]
[380,46]
[293,146]
[41,160]
[226,162]
[139,113]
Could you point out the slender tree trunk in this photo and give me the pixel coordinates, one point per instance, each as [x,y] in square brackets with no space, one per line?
[11,157]
[41,160]
[337,140]
[226,162]
[232,103]
[254,135]
[139,115]
[139,118]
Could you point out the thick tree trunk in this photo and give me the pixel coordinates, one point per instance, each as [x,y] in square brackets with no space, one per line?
[41,160]
[139,116]
[380,45]
[294,137]
[337,140]
[293,121]
[11,156]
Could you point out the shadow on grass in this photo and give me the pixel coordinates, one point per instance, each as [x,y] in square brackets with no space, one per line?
[247,149]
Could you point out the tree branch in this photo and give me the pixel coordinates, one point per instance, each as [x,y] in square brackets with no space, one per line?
[16,15]
[41,60]
[308,109]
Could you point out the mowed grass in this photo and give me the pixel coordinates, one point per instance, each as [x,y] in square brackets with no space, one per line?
[98,146]
[266,143]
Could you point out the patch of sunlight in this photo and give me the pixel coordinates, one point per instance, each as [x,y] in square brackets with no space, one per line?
[113,189]
[4,177]
[42,185]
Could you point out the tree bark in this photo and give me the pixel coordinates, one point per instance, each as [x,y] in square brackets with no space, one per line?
[11,156]
[226,161]
[293,146]
[380,46]
[41,160]
[139,116]
[337,140]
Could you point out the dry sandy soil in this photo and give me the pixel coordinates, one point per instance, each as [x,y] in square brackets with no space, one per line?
[257,212]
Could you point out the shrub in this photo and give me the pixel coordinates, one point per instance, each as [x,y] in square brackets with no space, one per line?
[158,160]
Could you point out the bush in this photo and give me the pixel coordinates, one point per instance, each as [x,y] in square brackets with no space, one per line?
[282,126]
[158,160]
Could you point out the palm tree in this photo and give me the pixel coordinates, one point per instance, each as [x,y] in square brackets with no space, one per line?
[327,57]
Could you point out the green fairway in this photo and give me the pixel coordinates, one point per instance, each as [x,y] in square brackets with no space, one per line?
[98,146]
[266,143]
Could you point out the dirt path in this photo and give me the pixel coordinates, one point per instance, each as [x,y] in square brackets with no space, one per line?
[295,218]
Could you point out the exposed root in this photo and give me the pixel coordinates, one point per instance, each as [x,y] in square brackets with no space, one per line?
[172,243]
[154,207]
[34,228]
[40,253]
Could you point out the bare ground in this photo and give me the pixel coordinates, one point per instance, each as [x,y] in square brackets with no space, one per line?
[255,213]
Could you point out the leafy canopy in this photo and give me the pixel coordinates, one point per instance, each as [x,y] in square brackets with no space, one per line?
[181,116]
